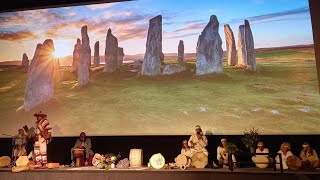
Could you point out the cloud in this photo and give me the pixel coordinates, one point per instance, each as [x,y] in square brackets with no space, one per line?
[136,32]
[181,36]
[7,20]
[71,14]
[192,26]
[100,6]
[111,14]
[274,16]
[16,36]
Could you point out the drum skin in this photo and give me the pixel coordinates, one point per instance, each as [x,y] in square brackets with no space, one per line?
[261,161]
[294,163]
[78,153]
[199,160]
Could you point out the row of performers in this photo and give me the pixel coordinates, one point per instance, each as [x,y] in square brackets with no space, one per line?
[196,144]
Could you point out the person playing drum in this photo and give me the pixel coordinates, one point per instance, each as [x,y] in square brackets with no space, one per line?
[187,151]
[261,149]
[198,141]
[285,153]
[222,156]
[83,143]
[309,155]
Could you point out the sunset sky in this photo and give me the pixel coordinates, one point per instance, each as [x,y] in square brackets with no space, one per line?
[273,22]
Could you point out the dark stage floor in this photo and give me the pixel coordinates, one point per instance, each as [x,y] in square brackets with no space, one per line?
[87,173]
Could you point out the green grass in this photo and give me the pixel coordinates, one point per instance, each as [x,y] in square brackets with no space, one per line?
[285,54]
[125,103]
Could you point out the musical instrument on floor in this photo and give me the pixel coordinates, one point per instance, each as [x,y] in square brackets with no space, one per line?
[293,162]
[199,160]
[78,154]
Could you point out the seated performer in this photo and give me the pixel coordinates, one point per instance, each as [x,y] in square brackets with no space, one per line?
[261,149]
[285,153]
[19,144]
[83,143]
[222,156]
[187,151]
[198,141]
[309,155]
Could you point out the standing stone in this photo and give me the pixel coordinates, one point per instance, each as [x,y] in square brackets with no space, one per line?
[40,83]
[231,46]
[209,49]
[76,56]
[152,57]
[180,52]
[242,55]
[162,57]
[111,53]
[120,56]
[96,59]
[84,62]
[24,61]
[170,69]
[249,46]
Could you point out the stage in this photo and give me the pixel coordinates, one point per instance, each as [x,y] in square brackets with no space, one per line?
[86,173]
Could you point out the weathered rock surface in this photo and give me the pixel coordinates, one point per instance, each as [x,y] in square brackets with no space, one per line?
[249,44]
[111,53]
[209,50]
[170,69]
[25,61]
[120,56]
[242,55]
[76,56]
[40,83]
[231,46]
[152,57]
[137,66]
[84,62]
[96,56]
[180,52]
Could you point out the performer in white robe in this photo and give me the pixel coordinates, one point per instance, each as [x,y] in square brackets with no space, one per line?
[261,149]
[19,144]
[198,141]
[187,151]
[309,155]
[285,153]
[42,132]
[222,156]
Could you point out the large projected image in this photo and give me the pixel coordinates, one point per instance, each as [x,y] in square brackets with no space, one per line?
[160,67]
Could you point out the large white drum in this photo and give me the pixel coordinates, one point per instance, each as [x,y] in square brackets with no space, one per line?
[157,161]
[136,158]
[261,161]
[199,160]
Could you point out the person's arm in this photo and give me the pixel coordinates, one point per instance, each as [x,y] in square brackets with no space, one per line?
[204,141]
[218,154]
[302,155]
[315,154]
[77,144]
[190,142]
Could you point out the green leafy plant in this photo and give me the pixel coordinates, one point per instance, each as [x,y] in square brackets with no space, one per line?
[250,138]
[231,148]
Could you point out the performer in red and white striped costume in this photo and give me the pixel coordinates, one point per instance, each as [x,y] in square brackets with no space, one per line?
[42,138]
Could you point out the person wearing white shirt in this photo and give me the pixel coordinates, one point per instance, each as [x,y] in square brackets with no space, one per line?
[285,153]
[187,151]
[222,155]
[261,149]
[198,141]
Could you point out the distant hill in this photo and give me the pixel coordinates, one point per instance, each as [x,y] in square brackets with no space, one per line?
[67,61]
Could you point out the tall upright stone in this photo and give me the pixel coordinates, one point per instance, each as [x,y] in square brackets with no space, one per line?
[209,49]
[76,56]
[120,56]
[40,83]
[231,46]
[152,58]
[25,61]
[84,62]
[249,46]
[96,57]
[180,52]
[111,53]
[242,55]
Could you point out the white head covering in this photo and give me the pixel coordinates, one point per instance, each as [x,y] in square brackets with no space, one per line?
[223,139]
[260,144]
[198,127]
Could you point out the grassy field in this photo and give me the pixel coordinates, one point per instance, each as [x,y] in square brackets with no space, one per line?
[280,98]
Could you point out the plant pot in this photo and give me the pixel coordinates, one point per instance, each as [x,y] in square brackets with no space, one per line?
[252,150]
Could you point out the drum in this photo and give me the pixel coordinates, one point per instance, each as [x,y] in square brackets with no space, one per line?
[199,160]
[293,162]
[78,154]
[5,161]
[136,158]
[22,161]
[261,161]
[157,161]
[181,161]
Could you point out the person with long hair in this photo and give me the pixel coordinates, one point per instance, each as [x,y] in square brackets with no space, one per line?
[285,151]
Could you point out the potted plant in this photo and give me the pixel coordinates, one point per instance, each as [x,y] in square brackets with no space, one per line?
[231,148]
[250,139]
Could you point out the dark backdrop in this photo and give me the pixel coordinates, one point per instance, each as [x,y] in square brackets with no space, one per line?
[168,146]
